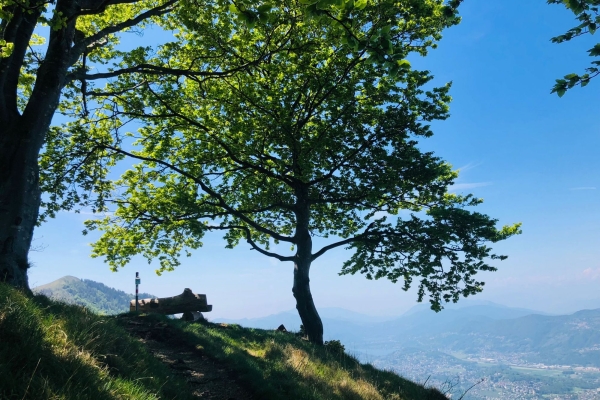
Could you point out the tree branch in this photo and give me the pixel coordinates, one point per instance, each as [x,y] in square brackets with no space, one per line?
[252,242]
[93,7]
[267,253]
[230,152]
[150,69]
[356,238]
[79,47]
[205,188]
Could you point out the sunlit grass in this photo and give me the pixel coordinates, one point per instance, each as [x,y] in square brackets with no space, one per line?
[277,365]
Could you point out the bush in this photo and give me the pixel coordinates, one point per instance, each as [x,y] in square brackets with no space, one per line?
[335,347]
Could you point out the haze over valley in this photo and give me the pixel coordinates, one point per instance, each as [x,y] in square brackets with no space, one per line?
[507,352]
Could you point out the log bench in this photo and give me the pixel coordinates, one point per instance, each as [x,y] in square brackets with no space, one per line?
[187,303]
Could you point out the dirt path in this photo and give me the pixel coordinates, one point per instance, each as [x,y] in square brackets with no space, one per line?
[207,379]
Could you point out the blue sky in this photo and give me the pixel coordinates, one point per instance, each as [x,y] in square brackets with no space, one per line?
[533,158]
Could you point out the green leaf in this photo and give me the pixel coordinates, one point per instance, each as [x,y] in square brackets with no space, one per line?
[575,6]
[352,42]
[393,70]
[360,4]
[595,51]
[265,8]
[387,45]
[403,64]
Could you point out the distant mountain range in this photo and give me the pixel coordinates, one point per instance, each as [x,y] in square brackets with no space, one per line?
[507,353]
[94,295]
[520,353]
[471,329]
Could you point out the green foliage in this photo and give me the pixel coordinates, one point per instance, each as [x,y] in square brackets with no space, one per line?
[586,12]
[276,365]
[52,350]
[6,48]
[204,47]
[314,136]
[334,346]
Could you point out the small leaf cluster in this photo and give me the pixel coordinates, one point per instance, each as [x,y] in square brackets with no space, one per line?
[251,16]
[587,13]
[444,250]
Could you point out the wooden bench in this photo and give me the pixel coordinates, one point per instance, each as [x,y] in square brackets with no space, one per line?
[187,303]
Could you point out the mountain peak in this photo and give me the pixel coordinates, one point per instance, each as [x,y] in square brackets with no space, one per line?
[91,294]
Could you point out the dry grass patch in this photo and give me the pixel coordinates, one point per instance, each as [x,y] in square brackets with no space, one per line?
[278,365]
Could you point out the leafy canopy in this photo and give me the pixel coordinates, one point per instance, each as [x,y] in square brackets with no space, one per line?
[317,135]
[205,38]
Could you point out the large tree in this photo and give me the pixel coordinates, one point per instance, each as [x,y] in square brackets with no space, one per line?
[586,12]
[31,83]
[82,37]
[318,140]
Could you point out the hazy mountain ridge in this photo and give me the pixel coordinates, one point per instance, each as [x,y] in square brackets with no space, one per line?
[469,329]
[519,352]
[94,295]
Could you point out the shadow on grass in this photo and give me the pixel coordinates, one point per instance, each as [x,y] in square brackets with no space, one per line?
[53,350]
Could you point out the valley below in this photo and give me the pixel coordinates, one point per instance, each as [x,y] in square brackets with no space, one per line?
[481,350]
[486,350]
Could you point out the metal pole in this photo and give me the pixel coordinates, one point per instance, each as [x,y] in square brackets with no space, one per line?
[137,282]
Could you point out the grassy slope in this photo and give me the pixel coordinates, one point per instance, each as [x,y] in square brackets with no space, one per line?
[53,350]
[277,365]
[93,295]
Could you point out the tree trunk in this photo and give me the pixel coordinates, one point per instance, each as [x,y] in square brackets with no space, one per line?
[22,134]
[19,205]
[21,140]
[313,326]
[305,304]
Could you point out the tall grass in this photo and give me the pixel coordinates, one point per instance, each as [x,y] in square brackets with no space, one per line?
[50,350]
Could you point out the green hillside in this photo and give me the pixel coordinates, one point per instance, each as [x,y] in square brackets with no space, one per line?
[52,350]
[95,296]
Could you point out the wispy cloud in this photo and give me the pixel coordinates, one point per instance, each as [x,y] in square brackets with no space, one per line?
[463,186]
[591,273]
[469,166]
[583,188]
